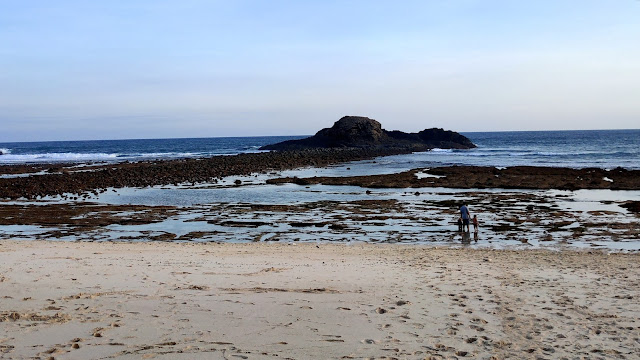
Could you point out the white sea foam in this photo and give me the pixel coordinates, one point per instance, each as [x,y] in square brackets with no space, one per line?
[161,155]
[438,150]
[5,151]
[92,157]
[55,157]
[424,175]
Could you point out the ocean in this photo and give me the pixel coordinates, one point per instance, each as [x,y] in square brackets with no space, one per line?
[576,149]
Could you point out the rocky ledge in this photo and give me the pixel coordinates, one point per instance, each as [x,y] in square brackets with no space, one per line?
[481,177]
[61,179]
[362,132]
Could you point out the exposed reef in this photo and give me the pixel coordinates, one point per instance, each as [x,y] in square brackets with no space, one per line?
[633,206]
[59,179]
[362,132]
[479,177]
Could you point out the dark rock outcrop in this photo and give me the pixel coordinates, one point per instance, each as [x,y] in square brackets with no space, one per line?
[632,206]
[481,177]
[362,132]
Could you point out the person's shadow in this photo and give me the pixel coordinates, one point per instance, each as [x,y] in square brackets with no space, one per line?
[466,238]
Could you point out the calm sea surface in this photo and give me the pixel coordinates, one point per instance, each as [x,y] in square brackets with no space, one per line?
[591,148]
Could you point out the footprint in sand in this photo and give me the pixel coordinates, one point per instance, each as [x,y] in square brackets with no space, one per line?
[479,320]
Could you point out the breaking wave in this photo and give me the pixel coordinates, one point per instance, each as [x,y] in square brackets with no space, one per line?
[55,157]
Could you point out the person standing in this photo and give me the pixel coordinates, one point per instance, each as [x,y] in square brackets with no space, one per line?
[464,214]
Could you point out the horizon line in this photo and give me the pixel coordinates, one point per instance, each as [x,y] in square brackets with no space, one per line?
[306,135]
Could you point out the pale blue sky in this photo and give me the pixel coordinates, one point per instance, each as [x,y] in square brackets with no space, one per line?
[146,69]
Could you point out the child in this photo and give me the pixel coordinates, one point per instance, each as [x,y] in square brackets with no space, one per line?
[460,224]
[475,223]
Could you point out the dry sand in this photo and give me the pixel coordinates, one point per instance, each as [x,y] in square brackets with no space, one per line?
[301,301]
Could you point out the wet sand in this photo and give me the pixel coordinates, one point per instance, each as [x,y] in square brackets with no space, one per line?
[81,300]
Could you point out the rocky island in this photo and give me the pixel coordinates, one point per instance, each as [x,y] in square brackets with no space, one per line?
[363,132]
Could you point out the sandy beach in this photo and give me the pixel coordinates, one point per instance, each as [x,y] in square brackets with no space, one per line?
[77,300]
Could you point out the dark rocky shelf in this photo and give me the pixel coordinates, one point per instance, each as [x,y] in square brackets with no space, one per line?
[480,177]
[64,179]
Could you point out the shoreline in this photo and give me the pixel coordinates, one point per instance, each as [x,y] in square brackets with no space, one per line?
[257,301]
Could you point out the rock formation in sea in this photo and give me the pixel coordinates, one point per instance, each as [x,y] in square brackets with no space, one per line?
[363,132]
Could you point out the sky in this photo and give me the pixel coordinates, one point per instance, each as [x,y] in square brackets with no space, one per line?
[194,68]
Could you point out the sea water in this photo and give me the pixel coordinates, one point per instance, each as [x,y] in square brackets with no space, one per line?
[576,149]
